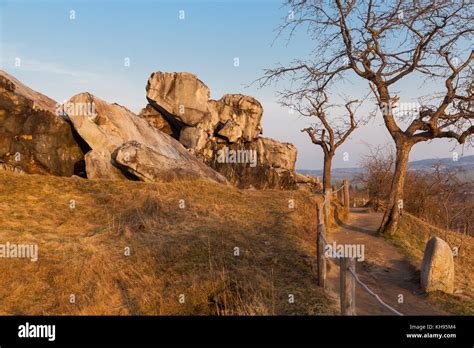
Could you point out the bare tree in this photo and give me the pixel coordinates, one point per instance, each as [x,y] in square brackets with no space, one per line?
[385,43]
[377,173]
[440,195]
[328,132]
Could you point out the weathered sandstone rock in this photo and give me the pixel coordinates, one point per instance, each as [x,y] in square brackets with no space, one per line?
[99,166]
[244,112]
[231,131]
[276,154]
[193,138]
[151,165]
[437,270]
[245,165]
[33,137]
[184,101]
[181,94]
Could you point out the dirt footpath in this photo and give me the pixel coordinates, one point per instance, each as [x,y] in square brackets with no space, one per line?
[385,270]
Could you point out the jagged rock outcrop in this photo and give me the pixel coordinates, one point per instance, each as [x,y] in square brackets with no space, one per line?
[232,124]
[240,117]
[111,130]
[180,134]
[241,163]
[33,137]
[276,154]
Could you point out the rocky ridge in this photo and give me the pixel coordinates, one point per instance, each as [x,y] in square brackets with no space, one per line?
[180,134]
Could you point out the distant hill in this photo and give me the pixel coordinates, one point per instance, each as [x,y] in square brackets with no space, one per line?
[466,163]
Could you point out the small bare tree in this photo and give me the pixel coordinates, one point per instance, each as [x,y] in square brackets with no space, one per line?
[328,132]
[384,43]
[377,166]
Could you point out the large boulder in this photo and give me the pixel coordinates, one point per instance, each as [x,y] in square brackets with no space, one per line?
[231,131]
[437,270]
[107,127]
[181,94]
[33,136]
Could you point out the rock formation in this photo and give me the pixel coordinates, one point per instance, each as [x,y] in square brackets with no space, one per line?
[437,270]
[210,128]
[180,134]
[33,137]
[125,145]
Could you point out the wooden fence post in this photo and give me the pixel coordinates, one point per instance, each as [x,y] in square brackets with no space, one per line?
[347,288]
[327,206]
[346,194]
[321,259]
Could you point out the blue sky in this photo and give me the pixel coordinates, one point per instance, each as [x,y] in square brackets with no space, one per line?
[61,57]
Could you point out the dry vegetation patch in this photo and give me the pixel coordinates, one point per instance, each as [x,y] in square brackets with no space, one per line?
[412,236]
[181,236]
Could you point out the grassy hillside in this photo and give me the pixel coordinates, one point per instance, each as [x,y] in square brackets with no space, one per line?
[181,238]
[412,236]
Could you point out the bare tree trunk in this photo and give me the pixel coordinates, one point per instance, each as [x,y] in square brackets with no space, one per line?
[395,203]
[327,172]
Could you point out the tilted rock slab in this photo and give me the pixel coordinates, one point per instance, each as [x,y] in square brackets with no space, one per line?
[437,269]
[33,137]
[106,127]
[142,162]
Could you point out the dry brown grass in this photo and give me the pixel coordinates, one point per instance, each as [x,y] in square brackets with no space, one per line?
[173,251]
[412,236]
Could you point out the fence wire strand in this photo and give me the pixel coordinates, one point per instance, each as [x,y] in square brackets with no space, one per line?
[326,243]
[373,293]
